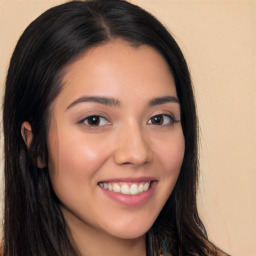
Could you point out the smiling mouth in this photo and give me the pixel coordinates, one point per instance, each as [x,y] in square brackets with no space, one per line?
[124,188]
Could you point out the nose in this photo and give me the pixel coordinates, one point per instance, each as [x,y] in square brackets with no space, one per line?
[132,147]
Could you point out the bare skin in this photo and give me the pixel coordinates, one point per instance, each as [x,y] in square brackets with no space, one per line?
[116,123]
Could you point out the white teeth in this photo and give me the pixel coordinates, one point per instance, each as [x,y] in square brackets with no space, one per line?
[141,188]
[134,190]
[110,188]
[126,188]
[116,188]
[146,186]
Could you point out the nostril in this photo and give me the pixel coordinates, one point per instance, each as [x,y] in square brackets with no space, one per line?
[126,158]
[132,147]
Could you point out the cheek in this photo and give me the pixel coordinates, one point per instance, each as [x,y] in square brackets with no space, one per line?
[78,156]
[176,155]
[73,158]
[74,162]
[171,152]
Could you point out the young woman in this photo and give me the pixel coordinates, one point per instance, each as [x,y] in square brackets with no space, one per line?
[100,136]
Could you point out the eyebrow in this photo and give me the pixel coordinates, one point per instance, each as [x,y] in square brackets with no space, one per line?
[108,101]
[163,100]
[113,102]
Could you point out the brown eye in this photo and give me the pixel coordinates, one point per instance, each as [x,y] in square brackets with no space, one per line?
[95,121]
[162,120]
[157,120]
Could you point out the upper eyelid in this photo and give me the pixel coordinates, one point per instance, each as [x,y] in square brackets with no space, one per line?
[107,117]
[100,116]
[85,123]
[88,115]
[171,116]
[167,113]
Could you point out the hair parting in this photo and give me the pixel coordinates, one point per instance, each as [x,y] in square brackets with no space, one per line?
[33,221]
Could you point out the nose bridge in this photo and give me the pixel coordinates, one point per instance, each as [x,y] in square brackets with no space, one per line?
[132,146]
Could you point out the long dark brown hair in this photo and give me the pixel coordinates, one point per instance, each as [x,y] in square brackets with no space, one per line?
[33,221]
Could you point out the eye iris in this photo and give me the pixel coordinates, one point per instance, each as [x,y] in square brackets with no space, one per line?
[94,120]
[157,120]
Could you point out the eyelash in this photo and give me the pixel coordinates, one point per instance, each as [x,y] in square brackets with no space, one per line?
[96,118]
[171,119]
[93,121]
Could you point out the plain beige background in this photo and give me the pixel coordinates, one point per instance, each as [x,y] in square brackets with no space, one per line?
[218,38]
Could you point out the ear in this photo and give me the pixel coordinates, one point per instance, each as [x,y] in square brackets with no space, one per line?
[27,135]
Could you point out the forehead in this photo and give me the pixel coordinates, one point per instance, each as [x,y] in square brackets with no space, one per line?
[117,68]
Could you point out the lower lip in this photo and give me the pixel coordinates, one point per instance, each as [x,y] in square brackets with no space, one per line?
[132,200]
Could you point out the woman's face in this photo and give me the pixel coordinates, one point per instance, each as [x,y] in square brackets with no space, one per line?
[115,140]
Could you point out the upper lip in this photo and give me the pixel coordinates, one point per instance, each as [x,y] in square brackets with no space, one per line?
[130,179]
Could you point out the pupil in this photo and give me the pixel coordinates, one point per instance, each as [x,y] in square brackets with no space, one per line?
[157,119]
[94,120]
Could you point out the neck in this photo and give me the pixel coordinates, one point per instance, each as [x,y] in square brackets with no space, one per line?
[95,242]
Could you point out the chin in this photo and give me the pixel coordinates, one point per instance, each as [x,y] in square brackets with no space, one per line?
[131,231]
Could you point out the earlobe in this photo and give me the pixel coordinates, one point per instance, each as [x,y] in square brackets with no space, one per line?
[40,163]
[26,133]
